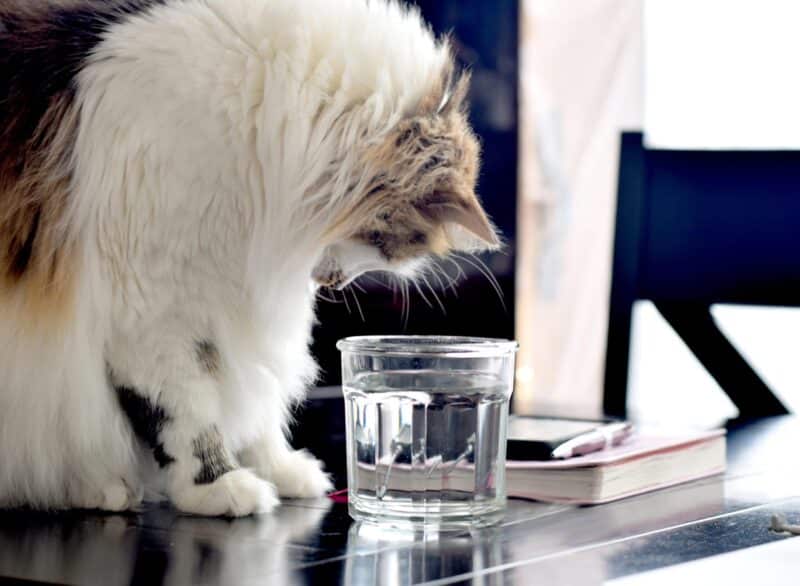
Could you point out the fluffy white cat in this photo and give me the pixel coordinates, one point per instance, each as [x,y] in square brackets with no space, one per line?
[177,177]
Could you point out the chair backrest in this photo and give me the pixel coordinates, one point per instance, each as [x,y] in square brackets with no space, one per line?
[695,228]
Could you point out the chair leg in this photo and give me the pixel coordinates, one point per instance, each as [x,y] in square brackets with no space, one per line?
[695,325]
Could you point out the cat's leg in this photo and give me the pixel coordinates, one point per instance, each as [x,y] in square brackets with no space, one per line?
[63,441]
[179,423]
[295,473]
[113,497]
[203,477]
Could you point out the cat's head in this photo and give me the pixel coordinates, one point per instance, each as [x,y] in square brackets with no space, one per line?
[417,200]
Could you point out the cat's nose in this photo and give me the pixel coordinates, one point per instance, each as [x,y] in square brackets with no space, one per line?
[328,275]
[333,280]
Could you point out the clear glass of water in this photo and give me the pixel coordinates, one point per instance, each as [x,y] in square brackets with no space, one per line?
[426,428]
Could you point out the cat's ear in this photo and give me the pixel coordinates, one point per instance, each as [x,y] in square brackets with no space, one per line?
[456,96]
[449,96]
[464,213]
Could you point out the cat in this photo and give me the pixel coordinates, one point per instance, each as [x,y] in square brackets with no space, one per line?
[177,180]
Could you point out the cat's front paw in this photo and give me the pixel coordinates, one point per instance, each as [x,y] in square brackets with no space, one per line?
[236,494]
[115,497]
[118,497]
[300,475]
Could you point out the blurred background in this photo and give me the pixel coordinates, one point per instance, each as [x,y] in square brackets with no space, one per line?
[641,160]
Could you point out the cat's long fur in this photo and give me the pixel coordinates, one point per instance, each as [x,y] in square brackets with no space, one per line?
[172,172]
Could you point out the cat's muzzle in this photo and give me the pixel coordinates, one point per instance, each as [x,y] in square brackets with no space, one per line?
[327,273]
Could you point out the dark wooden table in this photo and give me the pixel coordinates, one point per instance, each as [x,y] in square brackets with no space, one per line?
[636,541]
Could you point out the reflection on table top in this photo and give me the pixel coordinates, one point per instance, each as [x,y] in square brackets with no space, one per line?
[316,543]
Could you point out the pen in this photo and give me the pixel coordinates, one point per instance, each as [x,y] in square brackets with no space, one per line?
[593,441]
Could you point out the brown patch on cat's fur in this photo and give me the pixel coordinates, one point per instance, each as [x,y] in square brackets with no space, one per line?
[44,44]
[422,176]
[36,266]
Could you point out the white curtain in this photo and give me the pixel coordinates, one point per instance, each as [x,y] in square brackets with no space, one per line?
[581,80]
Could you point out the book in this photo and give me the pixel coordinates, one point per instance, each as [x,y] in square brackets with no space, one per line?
[647,461]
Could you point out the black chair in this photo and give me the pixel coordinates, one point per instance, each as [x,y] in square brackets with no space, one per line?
[696,228]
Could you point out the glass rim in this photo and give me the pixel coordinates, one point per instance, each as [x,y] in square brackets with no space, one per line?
[443,346]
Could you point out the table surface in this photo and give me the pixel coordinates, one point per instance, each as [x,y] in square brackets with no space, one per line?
[656,538]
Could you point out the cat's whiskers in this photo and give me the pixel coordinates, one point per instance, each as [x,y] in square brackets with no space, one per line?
[422,294]
[433,292]
[406,311]
[450,279]
[460,274]
[435,274]
[357,302]
[490,275]
[481,267]
[346,303]
[328,299]
[444,278]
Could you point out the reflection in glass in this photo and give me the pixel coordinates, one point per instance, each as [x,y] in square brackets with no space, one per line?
[412,557]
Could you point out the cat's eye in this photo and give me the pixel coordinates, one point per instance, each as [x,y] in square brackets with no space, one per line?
[418,238]
[413,130]
[403,137]
[432,163]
